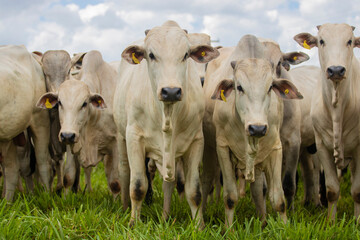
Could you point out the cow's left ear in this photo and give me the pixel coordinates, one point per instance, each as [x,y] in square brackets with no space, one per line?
[133,54]
[47,101]
[97,101]
[203,53]
[38,56]
[357,42]
[295,58]
[77,59]
[223,90]
[286,89]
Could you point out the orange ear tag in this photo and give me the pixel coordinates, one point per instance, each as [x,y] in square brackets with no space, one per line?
[48,105]
[202,53]
[286,91]
[135,60]
[222,96]
[305,45]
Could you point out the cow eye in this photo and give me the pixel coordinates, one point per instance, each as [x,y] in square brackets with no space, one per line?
[322,42]
[186,56]
[349,42]
[84,105]
[240,89]
[151,56]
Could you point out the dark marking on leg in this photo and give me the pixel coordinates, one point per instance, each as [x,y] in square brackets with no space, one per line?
[66,181]
[149,193]
[311,149]
[323,198]
[356,197]
[180,186]
[197,197]
[230,203]
[138,192]
[332,196]
[282,207]
[288,186]
[115,186]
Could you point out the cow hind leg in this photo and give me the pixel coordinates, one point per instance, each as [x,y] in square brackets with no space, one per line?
[208,173]
[11,169]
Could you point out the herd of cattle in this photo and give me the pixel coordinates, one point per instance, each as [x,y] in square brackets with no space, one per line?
[253,119]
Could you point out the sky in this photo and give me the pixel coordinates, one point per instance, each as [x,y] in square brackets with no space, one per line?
[109,25]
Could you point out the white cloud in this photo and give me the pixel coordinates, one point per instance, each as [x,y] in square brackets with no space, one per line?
[91,11]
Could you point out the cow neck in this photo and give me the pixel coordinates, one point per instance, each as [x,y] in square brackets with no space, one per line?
[337,97]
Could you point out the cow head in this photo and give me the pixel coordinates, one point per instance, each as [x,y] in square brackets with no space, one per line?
[75,101]
[252,84]
[335,44]
[167,50]
[281,60]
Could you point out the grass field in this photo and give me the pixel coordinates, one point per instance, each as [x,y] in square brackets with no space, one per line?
[97,216]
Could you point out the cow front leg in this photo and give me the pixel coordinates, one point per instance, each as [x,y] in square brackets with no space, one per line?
[258,195]
[192,160]
[11,170]
[138,180]
[355,183]
[273,179]
[168,188]
[87,172]
[124,171]
[60,175]
[230,193]
[210,168]
[71,169]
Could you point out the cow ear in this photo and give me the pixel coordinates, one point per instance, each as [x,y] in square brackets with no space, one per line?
[223,90]
[77,59]
[295,58]
[133,54]
[38,56]
[286,89]
[203,53]
[306,40]
[357,42]
[97,101]
[47,101]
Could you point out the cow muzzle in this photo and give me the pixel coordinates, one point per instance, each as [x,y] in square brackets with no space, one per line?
[257,130]
[67,137]
[335,73]
[170,94]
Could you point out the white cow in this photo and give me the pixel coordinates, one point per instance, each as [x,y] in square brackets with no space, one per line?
[158,109]
[91,133]
[246,123]
[335,107]
[22,83]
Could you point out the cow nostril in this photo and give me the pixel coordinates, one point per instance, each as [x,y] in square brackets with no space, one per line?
[178,93]
[257,130]
[342,71]
[164,92]
[330,72]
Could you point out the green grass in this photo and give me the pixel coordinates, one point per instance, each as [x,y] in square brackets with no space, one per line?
[97,216]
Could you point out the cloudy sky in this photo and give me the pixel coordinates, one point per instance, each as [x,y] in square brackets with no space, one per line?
[109,25]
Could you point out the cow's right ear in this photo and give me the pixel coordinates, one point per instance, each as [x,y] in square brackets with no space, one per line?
[38,56]
[306,40]
[133,54]
[223,90]
[47,101]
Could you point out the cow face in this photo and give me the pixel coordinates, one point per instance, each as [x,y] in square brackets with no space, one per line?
[335,44]
[167,50]
[280,60]
[74,101]
[253,83]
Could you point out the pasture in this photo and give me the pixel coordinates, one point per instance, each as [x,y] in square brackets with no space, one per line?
[97,216]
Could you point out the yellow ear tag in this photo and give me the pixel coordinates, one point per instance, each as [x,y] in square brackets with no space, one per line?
[48,104]
[222,96]
[99,101]
[295,57]
[202,53]
[305,45]
[135,60]
[286,91]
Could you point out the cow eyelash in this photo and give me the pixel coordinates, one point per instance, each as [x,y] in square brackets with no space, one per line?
[349,42]
[84,105]
[151,56]
[59,103]
[186,56]
[270,89]
[322,42]
[240,89]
